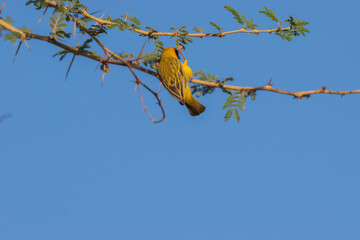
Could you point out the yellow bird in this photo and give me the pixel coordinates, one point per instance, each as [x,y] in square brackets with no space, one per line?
[175,77]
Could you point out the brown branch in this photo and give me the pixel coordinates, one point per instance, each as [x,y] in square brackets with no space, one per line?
[156,95]
[131,66]
[53,4]
[76,51]
[269,88]
[128,64]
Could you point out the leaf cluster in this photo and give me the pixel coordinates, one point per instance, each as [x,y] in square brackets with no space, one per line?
[297,25]
[149,59]
[71,10]
[14,36]
[234,102]
[180,36]
[241,19]
[202,90]
[39,4]
[58,25]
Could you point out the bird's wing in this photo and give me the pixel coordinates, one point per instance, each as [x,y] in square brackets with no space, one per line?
[175,83]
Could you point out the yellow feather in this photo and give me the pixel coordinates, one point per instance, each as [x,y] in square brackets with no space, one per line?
[175,77]
[187,71]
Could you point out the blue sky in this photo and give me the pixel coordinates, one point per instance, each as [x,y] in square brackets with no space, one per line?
[81,161]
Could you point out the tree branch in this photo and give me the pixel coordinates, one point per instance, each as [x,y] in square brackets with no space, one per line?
[267,87]
[53,4]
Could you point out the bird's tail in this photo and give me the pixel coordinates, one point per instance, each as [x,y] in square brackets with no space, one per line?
[194,107]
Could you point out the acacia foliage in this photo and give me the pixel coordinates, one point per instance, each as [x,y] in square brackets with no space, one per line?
[67,14]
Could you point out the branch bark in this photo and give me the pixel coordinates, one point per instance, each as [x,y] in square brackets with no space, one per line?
[53,4]
[131,65]
[267,87]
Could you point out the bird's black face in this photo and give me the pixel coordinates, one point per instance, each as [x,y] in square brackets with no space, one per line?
[177,53]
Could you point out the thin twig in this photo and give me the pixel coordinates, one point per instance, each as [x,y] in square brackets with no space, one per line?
[128,64]
[269,88]
[156,95]
[53,4]
[132,66]
[138,57]
[153,73]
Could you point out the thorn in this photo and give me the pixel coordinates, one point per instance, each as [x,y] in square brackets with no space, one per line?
[103,75]
[102,15]
[56,22]
[160,83]
[75,27]
[126,16]
[77,45]
[323,88]
[269,83]
[101,60]
[17,50]
[67,72]
[140,52]
[41,18]
[100,18]
[2,7]
[26,45]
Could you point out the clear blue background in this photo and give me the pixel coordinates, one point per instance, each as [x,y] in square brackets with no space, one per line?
[80,161]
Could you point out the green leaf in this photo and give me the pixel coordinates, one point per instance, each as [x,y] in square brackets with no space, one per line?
[228,114]
[269,13]
[196,29]
[236,115]
[217,27]
[183,28]
[227,104]
[134,20]
[249,24]
[241,19]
